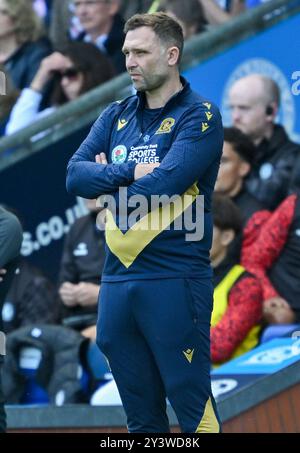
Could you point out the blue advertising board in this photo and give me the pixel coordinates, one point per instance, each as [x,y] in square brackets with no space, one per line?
[246,370]
[35,188]
[275,53]
[267,358]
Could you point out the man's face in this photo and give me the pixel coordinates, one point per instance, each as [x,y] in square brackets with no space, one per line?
[248,109]
[231,172]
[94,14]
[146,59]
[71,82]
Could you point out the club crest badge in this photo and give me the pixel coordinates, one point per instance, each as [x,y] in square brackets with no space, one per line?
[166,126]
[119,154]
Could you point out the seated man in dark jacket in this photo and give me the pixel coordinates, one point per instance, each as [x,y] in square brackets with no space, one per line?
[103,26]
[80,273]
[254,101]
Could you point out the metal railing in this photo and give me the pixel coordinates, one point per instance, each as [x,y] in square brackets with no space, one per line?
[84,110]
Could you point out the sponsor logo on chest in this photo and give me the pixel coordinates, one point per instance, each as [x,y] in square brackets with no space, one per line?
[145,154]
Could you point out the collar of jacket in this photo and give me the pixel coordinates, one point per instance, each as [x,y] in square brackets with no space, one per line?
[268,147]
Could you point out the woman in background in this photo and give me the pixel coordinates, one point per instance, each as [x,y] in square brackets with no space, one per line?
[74,70]
[22,44]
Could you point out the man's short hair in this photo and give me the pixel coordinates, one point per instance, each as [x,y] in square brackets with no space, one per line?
[240,143]
[165,27]
[226,215]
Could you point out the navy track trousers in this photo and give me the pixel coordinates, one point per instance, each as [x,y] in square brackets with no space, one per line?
[156,336]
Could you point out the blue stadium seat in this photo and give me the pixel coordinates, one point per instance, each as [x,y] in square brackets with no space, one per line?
[97,363]
[29,362]
[279,330]
[97,371]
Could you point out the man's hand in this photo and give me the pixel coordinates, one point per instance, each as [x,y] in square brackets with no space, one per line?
[67,292]
[101,159]
[2,273]
[87,294]
[49,65]
[277,311]
[143,170]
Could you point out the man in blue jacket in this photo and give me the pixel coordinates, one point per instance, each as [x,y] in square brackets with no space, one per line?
[156,292]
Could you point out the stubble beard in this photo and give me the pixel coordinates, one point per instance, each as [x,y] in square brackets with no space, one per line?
[154,83]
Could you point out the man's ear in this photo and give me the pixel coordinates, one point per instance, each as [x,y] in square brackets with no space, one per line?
[173,55]
[271,111]
[227,237]
[244,168]
[114,7]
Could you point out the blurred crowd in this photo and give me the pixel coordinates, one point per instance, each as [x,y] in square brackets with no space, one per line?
[52,51]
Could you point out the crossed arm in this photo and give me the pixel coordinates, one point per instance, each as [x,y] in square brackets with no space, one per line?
[191,154]
[139,171]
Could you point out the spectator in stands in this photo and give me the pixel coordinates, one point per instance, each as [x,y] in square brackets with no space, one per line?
[31,303]
[64,24]
[6,102]
[75,70]
[237,294]
[22,46]
[254,102]
[31,299]
[44,364]
[103,26]
[275,259]
[236,162]
[80,273]
[10,244]
[189,14]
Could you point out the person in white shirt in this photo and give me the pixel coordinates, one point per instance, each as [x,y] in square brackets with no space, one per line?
[74,71]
